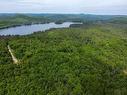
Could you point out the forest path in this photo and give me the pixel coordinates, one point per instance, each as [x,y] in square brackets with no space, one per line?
[15,60]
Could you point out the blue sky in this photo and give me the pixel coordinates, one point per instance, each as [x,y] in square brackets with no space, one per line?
[64,6]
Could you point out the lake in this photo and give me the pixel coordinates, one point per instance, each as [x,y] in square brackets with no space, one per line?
[29,29]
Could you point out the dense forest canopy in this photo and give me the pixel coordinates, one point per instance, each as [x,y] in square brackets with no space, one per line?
[86,60]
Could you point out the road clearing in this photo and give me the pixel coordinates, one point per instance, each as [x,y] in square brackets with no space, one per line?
[15,60]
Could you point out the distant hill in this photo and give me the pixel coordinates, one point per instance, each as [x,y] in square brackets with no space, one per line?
[119,20]
[7,20]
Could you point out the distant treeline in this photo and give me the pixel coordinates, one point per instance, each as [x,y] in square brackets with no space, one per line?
[12,20]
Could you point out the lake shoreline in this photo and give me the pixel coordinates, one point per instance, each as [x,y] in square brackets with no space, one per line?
[11,36]
[27,29]
[18,25]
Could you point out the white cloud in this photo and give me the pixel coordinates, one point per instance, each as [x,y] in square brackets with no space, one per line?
[64,6]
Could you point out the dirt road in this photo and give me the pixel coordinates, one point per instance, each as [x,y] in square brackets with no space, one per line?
[15,60]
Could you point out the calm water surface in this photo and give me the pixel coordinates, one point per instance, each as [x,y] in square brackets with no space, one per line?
[29,29]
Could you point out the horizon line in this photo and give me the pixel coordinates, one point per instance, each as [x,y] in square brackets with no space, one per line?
[59,13]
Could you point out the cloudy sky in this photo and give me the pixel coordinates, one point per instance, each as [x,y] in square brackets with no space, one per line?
[64,6]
